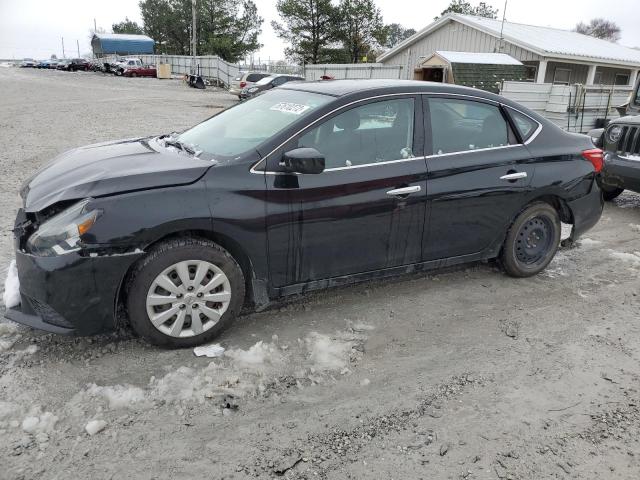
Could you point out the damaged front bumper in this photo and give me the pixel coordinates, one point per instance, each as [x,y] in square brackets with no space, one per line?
[70,294]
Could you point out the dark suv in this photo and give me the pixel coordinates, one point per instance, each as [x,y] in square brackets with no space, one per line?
[79,64]
[621,141]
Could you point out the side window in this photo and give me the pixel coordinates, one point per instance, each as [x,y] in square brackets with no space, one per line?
[463,125]
[524,124]
[372,133]
[279,81]
[254,77]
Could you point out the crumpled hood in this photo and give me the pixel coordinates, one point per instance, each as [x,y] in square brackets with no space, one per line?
[628,120]
[109,168]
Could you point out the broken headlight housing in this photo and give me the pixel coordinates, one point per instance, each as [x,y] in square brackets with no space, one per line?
[61,233]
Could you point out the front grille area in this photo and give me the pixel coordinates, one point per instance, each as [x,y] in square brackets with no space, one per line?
[48,314]
[629,143]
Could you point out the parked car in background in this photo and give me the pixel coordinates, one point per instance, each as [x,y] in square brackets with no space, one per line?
[49,63]
[621,142]
[28,63]
[268,83]
[119,66]
[306,186]
[64,64]
[79,64]
[139,71]
[245,80]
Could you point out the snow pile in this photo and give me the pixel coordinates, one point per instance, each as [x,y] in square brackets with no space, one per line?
[37,422]
[565,230]
[210,351]
[588,242]
[95,426]
[11,295]
[118,396]
[327,353]
[632,258]
[8,335]
[257,356]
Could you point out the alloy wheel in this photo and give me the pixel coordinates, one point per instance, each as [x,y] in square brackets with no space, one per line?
[188,298]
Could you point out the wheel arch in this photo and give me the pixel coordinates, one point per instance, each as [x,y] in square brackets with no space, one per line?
[230,245]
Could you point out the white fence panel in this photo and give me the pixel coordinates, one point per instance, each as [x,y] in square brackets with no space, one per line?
[358,71]
[575,108]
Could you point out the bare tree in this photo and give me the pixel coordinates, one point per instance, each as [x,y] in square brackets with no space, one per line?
[600,28]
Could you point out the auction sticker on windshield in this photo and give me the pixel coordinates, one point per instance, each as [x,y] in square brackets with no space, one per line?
[286,107]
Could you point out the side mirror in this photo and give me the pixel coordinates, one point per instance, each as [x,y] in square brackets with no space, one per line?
[622,109]
[304,160]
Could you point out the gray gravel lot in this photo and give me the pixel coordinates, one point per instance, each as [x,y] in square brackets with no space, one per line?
[458,374]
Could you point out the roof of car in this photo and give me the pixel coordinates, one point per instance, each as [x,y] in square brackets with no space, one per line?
[338,88]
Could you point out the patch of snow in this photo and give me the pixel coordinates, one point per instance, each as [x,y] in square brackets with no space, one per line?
[259,354]
[8,328]
[635,228]
[37,422]
[118,396]
[632,258]
[210,351]
[327,353]
[11,294]
[565,231]
[95,426]
[587,242]
[364,382]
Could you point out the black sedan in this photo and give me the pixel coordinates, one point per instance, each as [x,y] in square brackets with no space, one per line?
[267,83]
[307,186]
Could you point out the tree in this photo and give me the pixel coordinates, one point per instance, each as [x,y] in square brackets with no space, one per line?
[309,26]
[396,33]
[360,28]
[600,28]
[226,28]
[127,26]
[465,8]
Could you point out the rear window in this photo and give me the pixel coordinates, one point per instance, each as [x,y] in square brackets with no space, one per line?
[525,125]
[254,77]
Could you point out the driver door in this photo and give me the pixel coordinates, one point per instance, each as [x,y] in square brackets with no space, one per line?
[366,211]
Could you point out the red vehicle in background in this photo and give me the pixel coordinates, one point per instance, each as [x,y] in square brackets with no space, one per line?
[139,71]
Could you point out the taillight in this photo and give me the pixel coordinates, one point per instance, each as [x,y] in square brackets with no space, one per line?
[595,156]
[243,84]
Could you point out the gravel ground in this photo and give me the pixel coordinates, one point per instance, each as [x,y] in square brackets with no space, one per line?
[458,374]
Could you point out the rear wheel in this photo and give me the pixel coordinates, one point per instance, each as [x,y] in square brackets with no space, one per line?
[532,241]
[134,74]
[609,193]
[184,293]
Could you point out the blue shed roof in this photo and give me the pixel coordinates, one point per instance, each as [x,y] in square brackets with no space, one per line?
[120,43]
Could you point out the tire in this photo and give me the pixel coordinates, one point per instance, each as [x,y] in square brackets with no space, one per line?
[532,241]
[609,193]
[133,75]
[118,73]
[179,330]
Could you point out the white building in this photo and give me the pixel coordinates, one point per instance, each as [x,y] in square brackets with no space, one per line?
[551,55]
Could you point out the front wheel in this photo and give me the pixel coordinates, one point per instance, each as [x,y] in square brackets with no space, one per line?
[532,241]
[184,293]
[609,193]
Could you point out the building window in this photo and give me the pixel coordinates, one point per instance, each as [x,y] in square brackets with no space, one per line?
[622,79]
[597,79]
[562,76]
[531,72]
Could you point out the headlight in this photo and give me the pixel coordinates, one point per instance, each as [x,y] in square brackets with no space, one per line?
[61,233]
[614,133]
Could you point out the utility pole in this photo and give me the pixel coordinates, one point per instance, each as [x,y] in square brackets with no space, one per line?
[194,37]
[95,28]
[504,16]
[63,47]
[78,45]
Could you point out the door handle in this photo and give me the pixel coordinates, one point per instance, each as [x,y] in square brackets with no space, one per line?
[398,192]
[514,176]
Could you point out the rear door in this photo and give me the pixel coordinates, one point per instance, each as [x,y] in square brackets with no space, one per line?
[479,175]
[366,211]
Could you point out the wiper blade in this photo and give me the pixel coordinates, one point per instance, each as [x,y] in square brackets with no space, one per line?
[181,145]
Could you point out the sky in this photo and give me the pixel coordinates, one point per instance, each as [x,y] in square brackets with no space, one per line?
[34,28]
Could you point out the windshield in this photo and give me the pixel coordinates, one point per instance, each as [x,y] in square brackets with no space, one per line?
[265,80]
[246,125]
